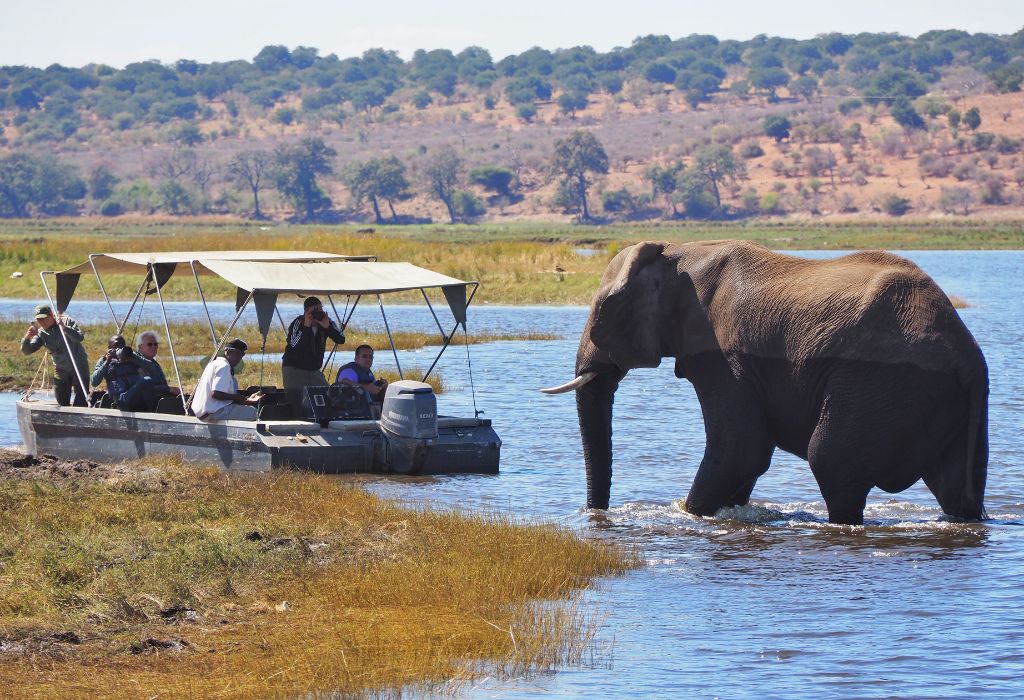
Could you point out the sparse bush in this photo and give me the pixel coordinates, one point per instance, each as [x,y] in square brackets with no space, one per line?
[285,115]
[750,150]
[1007,145]
[467,205]
[618,201]
[991,188]
[965,171]
[956,199]
[849,106]
[111,208]
[750,201]
[771,203]
[982,140]
[723,133]
[892,144]
[933,165]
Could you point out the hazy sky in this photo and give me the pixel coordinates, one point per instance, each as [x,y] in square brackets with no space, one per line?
[116,32]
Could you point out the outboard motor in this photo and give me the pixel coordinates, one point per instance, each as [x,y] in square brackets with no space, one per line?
[409,422]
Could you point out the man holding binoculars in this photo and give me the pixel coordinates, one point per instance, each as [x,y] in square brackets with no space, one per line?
[303,359]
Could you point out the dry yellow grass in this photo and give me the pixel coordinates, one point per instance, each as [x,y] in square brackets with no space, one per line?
[161,580]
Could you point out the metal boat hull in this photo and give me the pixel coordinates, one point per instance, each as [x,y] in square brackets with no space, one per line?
[464,445]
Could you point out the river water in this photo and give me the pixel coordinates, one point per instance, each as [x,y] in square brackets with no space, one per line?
[763,601]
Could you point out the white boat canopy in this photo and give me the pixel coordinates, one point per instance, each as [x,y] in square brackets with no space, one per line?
[165,264]
[265,280]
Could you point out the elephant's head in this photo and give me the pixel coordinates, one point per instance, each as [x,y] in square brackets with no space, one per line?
[638,316]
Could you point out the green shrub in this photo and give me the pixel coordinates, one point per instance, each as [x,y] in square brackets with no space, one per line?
[849,106]
[111,208]
[894,205]
[771,203]
[751,149]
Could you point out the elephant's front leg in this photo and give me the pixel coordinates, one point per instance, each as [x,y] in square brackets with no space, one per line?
[738,451]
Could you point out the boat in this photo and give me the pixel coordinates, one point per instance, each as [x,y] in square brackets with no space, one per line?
[337,431]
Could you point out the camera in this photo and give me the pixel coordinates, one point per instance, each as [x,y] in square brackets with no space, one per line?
[123,354]
[318,314]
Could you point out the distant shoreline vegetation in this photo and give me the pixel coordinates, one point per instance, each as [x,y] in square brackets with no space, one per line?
[686,128]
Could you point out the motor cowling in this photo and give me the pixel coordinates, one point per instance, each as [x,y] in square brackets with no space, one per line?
[409,423]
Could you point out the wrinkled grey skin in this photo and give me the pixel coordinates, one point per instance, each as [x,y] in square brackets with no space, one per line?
[860,365]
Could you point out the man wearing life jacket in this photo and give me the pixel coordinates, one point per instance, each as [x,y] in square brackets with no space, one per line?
[358,374]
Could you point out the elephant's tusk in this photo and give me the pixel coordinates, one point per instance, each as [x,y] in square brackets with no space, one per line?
[571,386]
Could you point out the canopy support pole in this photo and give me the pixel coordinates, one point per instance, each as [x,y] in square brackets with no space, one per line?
[122,324]
[167,331]
[202,297]
[448,338]
[394,350]
[430,306]
[103,289]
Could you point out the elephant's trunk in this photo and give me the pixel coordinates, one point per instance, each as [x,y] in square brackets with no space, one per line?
[594,405]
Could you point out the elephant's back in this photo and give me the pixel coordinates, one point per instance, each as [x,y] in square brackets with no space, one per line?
[870,306]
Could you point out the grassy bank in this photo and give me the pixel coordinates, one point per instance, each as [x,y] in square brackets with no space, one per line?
[523,263]
[192,341]
[157,579]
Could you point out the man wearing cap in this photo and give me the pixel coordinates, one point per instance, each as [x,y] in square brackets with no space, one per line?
[303,359]
[63,338]
[216,396]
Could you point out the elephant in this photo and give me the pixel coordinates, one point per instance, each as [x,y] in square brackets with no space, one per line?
[859,365]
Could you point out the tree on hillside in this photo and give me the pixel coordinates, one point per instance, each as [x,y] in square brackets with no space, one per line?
[444,171]
[575,158]
[102,182]
[664,181]
[717,164]
[572,101]
[972,118]
[777,127]
[905,115]
[271,59]
[31,186]
[376,179]
[768,78]
[494,179]
[247,169]
[296,169]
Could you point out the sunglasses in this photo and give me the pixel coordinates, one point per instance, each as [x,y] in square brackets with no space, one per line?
[150,344]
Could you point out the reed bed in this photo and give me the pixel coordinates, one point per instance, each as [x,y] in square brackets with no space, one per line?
[516,263]
[193,344]
[160,579]
[513,272]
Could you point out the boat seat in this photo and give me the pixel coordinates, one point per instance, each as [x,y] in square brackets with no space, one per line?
[170,405]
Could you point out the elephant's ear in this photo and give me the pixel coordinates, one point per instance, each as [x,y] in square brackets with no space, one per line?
[626,312]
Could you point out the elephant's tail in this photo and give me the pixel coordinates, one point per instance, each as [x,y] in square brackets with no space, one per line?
[976,465]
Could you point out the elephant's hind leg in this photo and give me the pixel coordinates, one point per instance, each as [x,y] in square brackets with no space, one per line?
[840,461]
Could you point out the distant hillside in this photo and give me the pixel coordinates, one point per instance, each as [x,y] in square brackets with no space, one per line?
[840,125]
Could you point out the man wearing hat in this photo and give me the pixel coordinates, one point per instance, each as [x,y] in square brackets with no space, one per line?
[63,338]
[303,359]
[216,396]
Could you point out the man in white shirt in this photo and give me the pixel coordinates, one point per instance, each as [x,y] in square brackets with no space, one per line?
[216,396]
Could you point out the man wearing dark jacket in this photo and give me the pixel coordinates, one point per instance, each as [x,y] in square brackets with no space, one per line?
[63,338]
[303,359]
